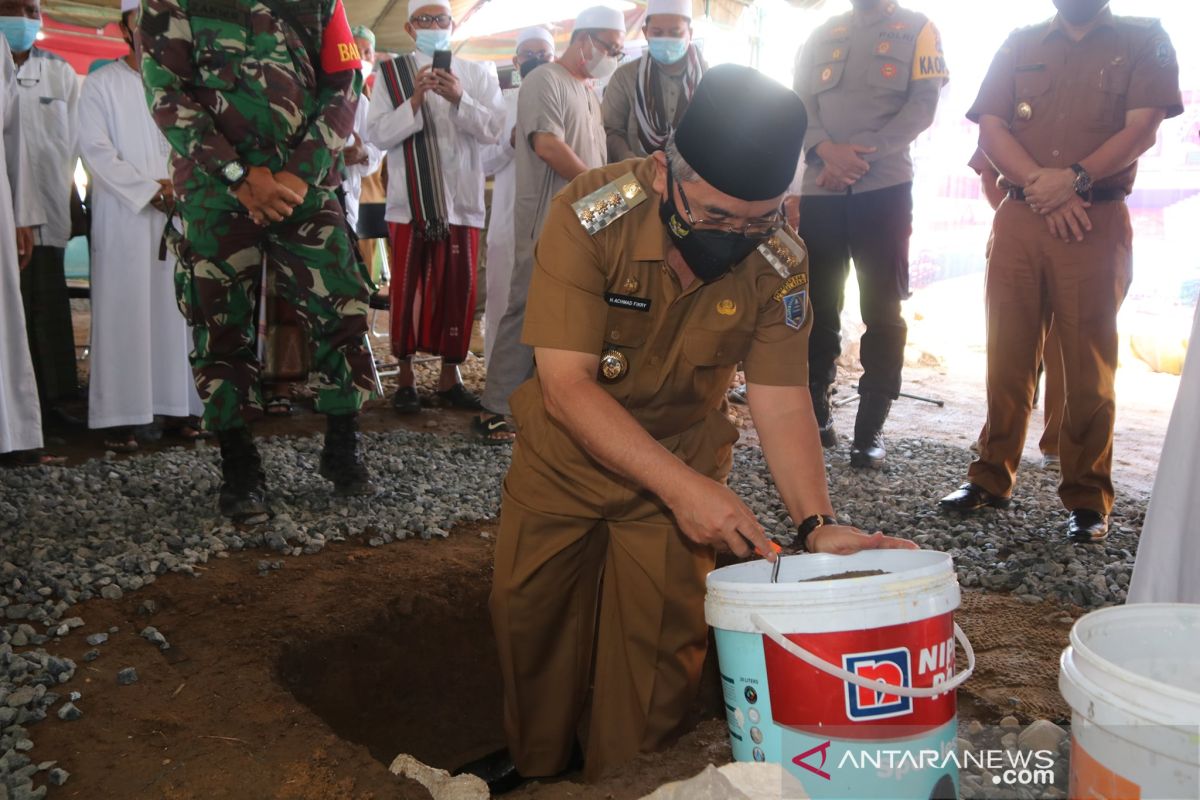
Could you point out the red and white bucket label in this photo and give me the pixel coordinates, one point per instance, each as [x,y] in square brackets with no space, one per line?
[916,654]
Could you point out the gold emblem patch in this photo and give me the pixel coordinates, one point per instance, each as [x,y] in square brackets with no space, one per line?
[790,285]
[605,206]
[1024,111]
[726,308]
[630,286]
[613,365]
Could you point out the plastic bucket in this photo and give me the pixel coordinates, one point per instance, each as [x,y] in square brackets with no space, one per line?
[1132,678]
[838,679]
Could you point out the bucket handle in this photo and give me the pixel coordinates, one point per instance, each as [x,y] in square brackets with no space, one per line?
[772,633]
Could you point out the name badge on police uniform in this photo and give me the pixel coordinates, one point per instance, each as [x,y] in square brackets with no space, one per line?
[605,206]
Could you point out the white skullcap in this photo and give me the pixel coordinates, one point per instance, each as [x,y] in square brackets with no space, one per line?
[416,5]
[680,8]
[600,18]
[130,5]
[536,32]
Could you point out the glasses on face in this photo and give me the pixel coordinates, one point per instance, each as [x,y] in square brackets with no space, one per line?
[614,50]
[431,20]
[540,55]
[762,228]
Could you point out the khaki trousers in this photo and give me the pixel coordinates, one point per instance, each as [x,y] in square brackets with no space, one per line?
[1031,278]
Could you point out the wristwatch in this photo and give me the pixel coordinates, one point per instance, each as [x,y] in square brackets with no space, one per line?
[809,525]
[1083,181]
[233,173]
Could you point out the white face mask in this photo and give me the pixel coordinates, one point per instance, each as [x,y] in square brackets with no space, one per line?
[600,66]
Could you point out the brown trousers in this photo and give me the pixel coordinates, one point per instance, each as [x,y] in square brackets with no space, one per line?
[1031,278]
[597,606]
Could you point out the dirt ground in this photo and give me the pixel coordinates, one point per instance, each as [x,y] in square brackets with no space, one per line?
[304,684]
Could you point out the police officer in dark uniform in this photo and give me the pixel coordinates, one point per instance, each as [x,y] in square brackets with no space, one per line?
[1066,110]
[870,80]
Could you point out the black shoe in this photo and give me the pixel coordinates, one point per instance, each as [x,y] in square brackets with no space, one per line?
[342,459]
[867,451]
[499,771]
[243,496]
[970,497]
[1086,526]
[406,400]
[823,409]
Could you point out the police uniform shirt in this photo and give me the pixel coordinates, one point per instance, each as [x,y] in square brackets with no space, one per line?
[871,79]
[612,293]
[1064,99]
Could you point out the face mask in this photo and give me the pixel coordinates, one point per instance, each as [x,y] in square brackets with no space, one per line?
[530,65]
[711,255]
[1079,12]
[21,32]
[668,51]
[601,66]
[429,42]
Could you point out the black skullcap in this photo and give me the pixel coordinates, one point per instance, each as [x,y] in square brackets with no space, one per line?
[743,133]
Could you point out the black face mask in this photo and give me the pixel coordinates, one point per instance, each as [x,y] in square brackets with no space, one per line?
[711,255]
[865,5]
[1079,12]
[530,65]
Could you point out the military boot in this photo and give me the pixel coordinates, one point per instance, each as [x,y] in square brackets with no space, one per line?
[243,495]
[823,408]
[867,450]
[342,460]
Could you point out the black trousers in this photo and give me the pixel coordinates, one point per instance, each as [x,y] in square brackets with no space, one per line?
[873,229]
[48,325]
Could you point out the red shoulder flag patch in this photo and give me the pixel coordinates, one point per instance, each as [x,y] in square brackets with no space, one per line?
[338,50]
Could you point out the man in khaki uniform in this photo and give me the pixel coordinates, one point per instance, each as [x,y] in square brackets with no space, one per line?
[1066,109]
[649,287]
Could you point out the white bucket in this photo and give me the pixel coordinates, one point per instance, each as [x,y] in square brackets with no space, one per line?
[1132,679]
[822,675]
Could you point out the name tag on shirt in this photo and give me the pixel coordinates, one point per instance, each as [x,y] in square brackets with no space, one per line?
[626,301]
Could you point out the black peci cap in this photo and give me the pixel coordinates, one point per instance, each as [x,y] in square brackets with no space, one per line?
[743,133]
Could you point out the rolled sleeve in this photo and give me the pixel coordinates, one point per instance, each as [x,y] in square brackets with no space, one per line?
[566,308]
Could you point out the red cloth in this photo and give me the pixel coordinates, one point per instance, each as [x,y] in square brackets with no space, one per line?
[433,292]
[338,50]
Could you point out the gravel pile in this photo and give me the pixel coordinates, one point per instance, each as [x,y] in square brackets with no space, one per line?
[1032,748]
[110,527]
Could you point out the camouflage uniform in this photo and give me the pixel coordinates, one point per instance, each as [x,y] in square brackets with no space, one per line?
[227,80]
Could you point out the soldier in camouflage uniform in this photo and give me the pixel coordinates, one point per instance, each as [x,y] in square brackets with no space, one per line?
[257,100]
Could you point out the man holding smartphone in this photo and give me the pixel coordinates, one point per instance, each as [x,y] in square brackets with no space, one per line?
[434,116]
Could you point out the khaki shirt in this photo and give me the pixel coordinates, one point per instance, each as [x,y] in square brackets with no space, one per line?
[613,291]
[620,108]
[1064,99]
[871,79]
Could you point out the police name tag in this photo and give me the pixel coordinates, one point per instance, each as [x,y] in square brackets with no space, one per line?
[785,255]
[605,206]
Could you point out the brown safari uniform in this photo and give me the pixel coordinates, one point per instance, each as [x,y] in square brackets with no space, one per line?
[579,547]
[1063,100]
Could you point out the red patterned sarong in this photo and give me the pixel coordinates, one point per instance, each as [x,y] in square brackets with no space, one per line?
[433,292]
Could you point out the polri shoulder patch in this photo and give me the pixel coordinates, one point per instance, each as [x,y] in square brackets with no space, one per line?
[784,253]
[605,206]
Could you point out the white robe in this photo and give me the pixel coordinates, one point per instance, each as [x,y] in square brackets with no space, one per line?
[140,340]
[20,414]
[352,185]
[49,97]
[499,161]
[1167,569]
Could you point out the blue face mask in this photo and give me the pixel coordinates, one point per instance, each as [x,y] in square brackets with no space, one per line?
[430,41]
[21,32]
[668,51]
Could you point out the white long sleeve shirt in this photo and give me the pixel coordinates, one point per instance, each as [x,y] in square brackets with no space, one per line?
[352,184]
[48,88]
[462,132]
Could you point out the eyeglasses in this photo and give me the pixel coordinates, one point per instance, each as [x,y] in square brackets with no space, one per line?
[614,50]
[540,55]
[429,20]
[758,229]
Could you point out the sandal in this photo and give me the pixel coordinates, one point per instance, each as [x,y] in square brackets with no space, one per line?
[187,428]
[493,431]
[122,441]
[33,458]
[457,396]
[279,406]
[406,400]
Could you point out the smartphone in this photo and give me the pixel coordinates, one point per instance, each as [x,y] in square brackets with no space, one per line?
[441,59]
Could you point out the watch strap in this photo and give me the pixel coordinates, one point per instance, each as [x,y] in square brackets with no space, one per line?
[810,524]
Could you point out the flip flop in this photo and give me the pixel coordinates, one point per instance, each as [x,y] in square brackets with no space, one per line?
[279,406]
[122,444]
[486,430]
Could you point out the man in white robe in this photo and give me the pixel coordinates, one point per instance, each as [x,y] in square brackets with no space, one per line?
[1167,569]
[20,210]
[535,46]
[140,340]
